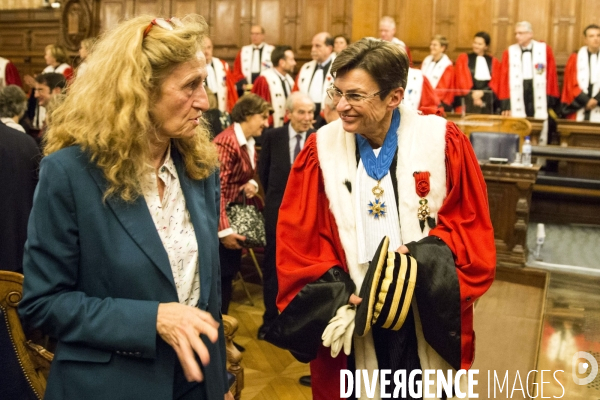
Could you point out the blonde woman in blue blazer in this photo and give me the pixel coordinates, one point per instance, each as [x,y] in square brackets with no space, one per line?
[121,263]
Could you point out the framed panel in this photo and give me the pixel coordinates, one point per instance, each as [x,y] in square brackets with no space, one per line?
[416,30]
[502,30]
[314,17]
[183,7]
[563,35]
[75,23]
[268,15]
[539,13]
[156,7]
[111,12]
[222,33]
[474,16]
[10,41]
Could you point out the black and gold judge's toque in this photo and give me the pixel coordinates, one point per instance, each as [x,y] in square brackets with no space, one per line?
[387,290]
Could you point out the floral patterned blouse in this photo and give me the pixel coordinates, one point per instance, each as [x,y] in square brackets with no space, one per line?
[175,229]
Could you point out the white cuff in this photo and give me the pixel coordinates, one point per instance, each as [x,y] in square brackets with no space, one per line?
[225,232]
[252,181]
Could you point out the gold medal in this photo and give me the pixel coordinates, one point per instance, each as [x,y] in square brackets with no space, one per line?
[377,208]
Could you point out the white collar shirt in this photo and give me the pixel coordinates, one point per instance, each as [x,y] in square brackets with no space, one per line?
[249,143]
[174,225]
[293,140]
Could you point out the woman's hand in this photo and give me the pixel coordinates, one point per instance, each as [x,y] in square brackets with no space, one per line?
[232,241]
[181,326]
[228,396]
[478,98]
[249,189]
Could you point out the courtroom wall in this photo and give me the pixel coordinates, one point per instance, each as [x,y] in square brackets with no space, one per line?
[25,28]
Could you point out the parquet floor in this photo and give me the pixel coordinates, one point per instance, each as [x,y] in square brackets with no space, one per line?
[270,373]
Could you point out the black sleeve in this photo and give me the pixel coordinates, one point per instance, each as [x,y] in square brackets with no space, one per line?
[264,162]
[438,297]
[301,324]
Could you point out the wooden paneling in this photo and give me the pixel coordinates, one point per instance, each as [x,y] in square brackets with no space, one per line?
[314,18]
[367,23]
[268,13]
[417,30]
[24,34]
[184,7]
[111,12]
[564,28]
[474,16]
[224,10]
[294,22]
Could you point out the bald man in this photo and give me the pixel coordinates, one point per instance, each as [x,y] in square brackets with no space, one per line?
[387,32]
[314,77]
[252,60]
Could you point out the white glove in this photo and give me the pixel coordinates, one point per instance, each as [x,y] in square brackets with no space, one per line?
[339,331]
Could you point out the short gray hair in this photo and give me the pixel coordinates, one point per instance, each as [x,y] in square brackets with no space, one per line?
[388,21]
[13,101]
[294,97]
[524,24]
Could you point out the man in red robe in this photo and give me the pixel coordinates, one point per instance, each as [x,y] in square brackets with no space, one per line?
[327,220]
[251,60]
[275,84]
[8,73]
[528,84]
[581,88]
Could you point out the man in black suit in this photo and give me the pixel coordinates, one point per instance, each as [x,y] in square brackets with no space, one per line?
[280,146]
[19,160]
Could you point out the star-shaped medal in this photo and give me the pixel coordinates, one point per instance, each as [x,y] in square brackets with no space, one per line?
[377,209]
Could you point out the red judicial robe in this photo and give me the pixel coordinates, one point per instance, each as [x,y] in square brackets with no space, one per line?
[261,88]
[503,83]
[574,97]
[11,75]
[308,242]
[464,78]
[232,96]
[444,88]
[430,102]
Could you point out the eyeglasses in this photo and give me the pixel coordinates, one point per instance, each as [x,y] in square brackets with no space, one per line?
[163,23]
[352,98]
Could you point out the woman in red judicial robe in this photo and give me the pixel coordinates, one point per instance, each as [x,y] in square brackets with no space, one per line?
[324,220]
[438,69]
[237,158]
[476,75]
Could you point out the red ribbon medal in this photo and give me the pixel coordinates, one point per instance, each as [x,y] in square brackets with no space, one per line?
[422,188]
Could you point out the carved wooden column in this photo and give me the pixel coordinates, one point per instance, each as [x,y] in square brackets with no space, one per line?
[509,193]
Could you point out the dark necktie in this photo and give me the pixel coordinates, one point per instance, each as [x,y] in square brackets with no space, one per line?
[283,84]
[297,148]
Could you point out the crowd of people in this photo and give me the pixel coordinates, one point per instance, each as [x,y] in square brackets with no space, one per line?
[130,255]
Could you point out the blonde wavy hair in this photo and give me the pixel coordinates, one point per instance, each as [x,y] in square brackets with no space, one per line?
[107,111]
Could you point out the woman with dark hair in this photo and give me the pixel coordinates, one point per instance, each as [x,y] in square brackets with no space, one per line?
[438,69]
[340,42]
[363,177]
[237,158]
[474,78]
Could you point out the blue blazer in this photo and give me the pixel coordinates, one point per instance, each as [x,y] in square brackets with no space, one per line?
[95,273]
